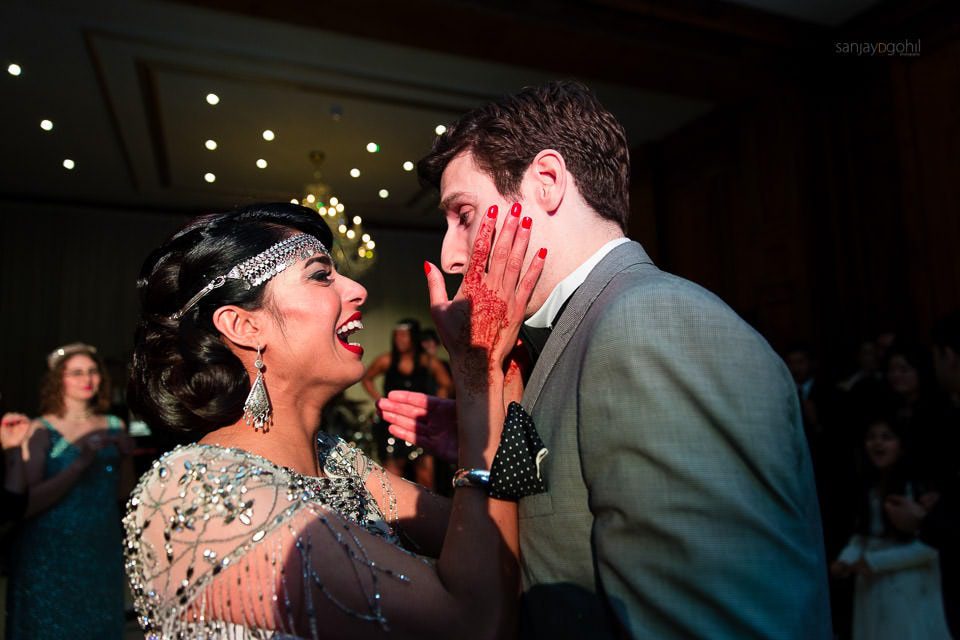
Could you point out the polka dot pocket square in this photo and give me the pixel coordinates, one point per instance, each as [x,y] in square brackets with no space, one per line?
[516,467]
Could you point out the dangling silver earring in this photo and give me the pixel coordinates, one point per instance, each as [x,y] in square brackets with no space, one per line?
[256,410]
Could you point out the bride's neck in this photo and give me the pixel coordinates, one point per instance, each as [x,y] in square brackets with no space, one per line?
[288,441]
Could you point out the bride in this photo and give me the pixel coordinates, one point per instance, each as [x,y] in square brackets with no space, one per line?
[267,527]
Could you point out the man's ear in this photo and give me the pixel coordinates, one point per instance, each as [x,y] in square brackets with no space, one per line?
[548,172]
[241,327]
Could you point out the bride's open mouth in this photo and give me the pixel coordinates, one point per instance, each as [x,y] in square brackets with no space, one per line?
[345,330]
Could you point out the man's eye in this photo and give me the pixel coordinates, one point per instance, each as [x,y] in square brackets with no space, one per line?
[463,217]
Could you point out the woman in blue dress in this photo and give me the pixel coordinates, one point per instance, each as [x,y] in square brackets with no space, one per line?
[66,574]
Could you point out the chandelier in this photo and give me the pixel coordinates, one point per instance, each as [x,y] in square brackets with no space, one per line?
[353,248]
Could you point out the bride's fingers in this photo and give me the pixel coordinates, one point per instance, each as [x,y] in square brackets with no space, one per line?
[477,266]
[515,260]
[502,249]
[529,281]
[436,286]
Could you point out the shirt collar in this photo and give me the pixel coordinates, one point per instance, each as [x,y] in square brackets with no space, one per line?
[546,314]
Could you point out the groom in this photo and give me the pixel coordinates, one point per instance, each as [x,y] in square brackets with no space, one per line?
[681,501]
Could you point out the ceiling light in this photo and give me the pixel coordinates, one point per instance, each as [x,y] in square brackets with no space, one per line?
[268,135]
[294,201]
[321,210]
[69,164]
[351,234]
[339,207]
[210,144]
[354,173]
[209,177]
[365,237]
[332,211]
[342,228]
[46,125]
[371,244]
[373,147]
[384,193]
[311,198]
[14,69]
[261,164]
[408,166]
[334,200]
[362,252]
[212,99]
[440,129]
[357,220]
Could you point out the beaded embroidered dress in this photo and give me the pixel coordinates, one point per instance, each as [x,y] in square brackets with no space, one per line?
[222,543]
[66,574]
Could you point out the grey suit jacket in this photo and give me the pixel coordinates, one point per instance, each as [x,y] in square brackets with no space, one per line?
[681,501]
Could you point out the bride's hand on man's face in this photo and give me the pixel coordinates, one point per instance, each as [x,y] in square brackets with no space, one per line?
[479,326]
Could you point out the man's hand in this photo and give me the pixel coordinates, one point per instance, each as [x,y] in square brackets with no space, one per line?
[428,422]
[905,514]
[13,429]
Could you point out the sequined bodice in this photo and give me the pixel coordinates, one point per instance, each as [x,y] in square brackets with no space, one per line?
[205,515]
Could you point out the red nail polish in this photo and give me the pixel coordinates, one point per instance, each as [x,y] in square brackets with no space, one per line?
[515,210]
[492,211]
[542,253]
[526,222]
[426,267]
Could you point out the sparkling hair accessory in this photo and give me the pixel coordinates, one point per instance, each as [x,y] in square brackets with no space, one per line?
[68,350]
[262,266]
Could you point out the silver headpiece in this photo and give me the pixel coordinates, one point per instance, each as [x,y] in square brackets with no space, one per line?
[262,266]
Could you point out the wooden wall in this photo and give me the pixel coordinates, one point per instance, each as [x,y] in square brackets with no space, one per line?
[823,210]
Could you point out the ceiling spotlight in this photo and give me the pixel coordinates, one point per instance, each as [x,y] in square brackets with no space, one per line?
[342,228]
[69,164]
[294,201]
[14,69]
[354,173]
[408,166]
[332,211]
[321,210]
[365,237]
[311,198]
[212,99]
[210,144]
[209,177]
[440,129]
[334,200]
[261,164]
[384,193]
[339,207]
[46,125]
[373,147]
[351,234]
[371,244]
[362,252]
[357,220]
[268,135]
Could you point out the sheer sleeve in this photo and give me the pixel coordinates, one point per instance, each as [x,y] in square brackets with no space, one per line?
[221,543]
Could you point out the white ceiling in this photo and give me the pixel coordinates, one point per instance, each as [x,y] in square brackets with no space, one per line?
[125,83]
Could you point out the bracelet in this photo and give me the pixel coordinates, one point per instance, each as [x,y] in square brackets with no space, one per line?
[477,478]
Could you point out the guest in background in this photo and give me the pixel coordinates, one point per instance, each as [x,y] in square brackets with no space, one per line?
[13,500]
[431,344]
[66,573]
[940,527]
[897,594]
[408,367]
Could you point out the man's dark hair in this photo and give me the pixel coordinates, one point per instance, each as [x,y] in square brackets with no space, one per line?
[505,136]
[946,333]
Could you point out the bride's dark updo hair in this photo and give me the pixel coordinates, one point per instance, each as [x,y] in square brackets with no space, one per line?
[184,377]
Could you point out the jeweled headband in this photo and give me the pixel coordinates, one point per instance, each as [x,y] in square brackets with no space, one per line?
[68,350]
[262,266]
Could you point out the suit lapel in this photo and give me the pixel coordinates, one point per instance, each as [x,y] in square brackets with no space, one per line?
[620,258]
